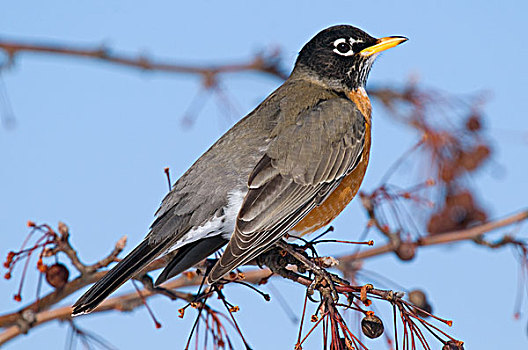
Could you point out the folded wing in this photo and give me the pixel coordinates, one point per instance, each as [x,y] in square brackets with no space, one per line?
[305,161]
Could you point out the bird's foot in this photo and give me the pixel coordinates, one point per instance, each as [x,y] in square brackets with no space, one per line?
[322,280]
[325,280]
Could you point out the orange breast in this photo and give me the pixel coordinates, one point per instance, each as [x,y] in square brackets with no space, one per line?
[349,186]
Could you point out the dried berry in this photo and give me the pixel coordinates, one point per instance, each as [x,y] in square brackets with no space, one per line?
[418,298]
[439,223]
[473,123]
[406,251]
[372,326]
[57,275]
[459,212]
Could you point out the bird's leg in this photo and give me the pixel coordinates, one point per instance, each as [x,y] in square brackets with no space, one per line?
[273,259]
[277,263]
[322,276]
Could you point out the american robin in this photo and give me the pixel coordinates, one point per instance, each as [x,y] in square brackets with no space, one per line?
[291,165]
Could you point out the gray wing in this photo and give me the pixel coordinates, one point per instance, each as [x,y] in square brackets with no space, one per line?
[305,161]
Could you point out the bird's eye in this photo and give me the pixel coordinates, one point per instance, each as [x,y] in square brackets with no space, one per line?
[343,47]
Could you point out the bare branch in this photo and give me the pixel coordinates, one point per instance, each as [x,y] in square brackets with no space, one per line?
[126,302]
[268,64]
[71,287]
[29,317]
[444,238]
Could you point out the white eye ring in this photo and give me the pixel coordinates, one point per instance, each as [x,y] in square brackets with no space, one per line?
[341,41]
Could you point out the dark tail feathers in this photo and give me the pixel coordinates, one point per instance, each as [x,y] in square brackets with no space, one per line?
[189,255]
[143,254]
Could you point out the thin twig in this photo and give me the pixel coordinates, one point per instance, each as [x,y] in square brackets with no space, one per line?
[260,63]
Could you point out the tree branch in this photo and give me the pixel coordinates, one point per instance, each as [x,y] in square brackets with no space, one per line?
[443,238]
[268,63]
[127,302]
[260,63]
[71,287]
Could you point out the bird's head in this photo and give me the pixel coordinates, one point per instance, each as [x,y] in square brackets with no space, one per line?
[341,56]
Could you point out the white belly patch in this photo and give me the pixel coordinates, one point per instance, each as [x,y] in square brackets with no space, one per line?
[218,225]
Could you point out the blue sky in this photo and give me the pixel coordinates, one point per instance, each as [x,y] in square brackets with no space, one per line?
[91,140]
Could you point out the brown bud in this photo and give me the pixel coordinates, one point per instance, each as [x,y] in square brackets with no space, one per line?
[372,326]
[473,123]
[57,275]
[63,229]
[406,251]
[418,298]
[120,245]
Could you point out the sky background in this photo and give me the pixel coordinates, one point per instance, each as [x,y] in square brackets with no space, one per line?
[91,141]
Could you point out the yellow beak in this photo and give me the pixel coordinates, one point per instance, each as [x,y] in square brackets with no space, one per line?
[383,44]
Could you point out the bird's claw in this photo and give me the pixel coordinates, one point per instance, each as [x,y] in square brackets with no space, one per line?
[327,281]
